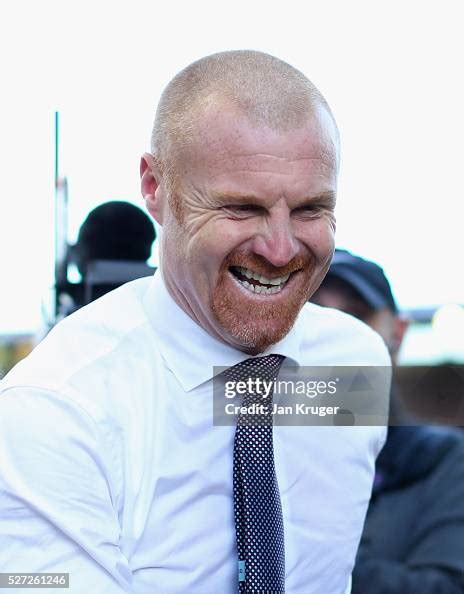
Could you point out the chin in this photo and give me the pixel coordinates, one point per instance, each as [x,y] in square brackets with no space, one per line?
[253,321]
[254,325]
[253,337]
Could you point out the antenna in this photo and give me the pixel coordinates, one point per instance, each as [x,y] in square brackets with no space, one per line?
[61,222]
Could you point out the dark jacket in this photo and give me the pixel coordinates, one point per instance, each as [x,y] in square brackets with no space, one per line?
[413,539]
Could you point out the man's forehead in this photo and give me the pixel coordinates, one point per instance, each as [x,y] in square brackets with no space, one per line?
[229,134]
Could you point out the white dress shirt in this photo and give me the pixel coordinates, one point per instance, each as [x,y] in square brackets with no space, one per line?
[111,468]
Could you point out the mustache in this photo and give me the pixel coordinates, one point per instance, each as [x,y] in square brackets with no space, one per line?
[262,266]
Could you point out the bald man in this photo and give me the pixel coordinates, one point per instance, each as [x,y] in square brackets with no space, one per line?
[112,468]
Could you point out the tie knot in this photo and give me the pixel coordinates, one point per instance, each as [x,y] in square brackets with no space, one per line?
[266,368]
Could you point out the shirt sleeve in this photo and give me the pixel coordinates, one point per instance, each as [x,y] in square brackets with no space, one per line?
[57,510]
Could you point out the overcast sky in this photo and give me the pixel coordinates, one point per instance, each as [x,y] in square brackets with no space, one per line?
[392,72]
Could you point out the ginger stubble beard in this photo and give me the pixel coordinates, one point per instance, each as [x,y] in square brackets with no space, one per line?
[257,326]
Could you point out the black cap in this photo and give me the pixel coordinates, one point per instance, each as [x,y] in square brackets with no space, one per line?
[367,278]
[115,230]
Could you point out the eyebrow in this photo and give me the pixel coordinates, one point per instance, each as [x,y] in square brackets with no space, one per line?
[328,197]
[235,197]
[238,198]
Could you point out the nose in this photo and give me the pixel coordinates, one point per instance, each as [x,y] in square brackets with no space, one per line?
[276,240]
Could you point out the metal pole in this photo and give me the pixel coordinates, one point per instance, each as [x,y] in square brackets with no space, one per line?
[61,222]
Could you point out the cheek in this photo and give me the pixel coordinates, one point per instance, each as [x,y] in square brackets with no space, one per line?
[215,241]
[318,236]
[172,244]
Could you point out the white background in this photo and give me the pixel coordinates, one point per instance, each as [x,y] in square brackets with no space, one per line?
[392,72]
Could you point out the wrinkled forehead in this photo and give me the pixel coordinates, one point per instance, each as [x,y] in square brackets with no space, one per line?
[221,133]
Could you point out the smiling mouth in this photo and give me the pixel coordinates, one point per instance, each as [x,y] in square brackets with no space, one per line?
[257,283]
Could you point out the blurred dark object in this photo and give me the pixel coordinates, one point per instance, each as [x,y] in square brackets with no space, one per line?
[113,231]
[413,538]
[112,247]
[366,279]
[414,532]
[432,394]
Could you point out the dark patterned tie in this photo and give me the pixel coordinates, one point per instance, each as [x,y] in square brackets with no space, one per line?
[257,508]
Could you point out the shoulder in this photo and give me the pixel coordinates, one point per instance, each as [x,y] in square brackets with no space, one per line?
[86,342]
[332,337]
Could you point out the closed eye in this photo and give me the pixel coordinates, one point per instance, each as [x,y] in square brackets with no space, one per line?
[317,205]
[308,210]
[243,209]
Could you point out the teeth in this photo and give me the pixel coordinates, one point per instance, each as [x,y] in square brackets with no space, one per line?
[276,281]
[277,284]
[261,289]
[263,279]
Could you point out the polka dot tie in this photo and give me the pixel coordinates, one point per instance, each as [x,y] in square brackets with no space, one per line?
[257,507]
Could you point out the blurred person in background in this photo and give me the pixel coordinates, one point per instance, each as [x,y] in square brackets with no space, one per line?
[114,230]
[117,232]
[413,539]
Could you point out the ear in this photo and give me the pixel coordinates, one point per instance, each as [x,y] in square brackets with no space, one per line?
[151,188]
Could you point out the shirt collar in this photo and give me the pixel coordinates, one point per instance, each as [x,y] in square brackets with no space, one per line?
[189,351]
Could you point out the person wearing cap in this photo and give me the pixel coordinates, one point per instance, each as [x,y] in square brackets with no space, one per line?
[413,537]
[115,231]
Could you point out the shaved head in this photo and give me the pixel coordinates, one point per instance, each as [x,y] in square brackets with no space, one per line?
[267,90]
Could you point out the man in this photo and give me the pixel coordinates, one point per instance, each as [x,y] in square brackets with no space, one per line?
[414,533]
[112,469]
